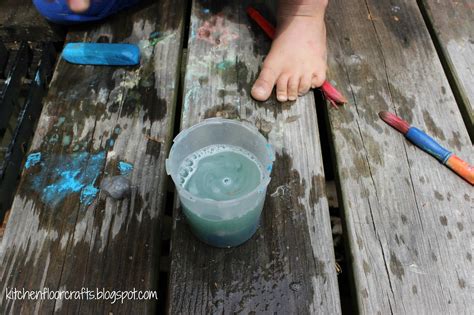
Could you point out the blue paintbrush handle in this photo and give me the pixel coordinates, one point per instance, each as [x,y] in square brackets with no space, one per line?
[102,54]
[428,144]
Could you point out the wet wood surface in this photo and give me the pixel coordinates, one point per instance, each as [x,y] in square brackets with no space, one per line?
[408,218]
[62,233]
[452,23]
[288,266]
[20,21]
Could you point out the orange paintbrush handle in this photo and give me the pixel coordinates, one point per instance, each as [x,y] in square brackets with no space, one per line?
[462,168]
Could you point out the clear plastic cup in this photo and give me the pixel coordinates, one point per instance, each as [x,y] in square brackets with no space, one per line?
[224,223]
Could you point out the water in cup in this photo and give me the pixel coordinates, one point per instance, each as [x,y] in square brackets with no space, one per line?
[220,172]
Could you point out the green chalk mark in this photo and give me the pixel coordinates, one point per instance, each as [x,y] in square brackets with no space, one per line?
[66,140]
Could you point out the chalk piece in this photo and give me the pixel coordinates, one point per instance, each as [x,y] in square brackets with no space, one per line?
[102,54]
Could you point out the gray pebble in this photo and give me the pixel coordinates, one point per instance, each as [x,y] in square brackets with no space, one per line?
[117,187]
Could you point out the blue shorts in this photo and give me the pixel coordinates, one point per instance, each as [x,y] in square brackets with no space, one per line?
[57,11]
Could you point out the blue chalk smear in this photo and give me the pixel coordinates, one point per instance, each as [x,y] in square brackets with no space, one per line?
[67,183]
[88,194]
[224,64]
[68,174]
[33,159]
[102,54]
[60,121]
[125,168]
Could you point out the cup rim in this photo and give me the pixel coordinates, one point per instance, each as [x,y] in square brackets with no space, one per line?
[220,203]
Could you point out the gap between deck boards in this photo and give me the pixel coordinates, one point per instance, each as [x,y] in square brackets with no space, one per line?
[459,96]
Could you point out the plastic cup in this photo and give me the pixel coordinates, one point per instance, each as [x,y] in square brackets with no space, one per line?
[225,223]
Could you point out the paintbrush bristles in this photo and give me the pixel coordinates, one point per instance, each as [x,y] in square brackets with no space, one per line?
[395,121]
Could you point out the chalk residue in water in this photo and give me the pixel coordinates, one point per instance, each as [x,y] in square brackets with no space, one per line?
[63,175]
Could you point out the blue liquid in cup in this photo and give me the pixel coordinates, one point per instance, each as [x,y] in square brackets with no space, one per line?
[222,173]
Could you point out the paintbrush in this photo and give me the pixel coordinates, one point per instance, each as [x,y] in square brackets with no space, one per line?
[330,92]
[428,144]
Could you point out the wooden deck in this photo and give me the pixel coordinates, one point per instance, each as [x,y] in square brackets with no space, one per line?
[408,220]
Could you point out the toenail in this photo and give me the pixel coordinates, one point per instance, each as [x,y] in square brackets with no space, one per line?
[281,98]
[258,90]
[292,98]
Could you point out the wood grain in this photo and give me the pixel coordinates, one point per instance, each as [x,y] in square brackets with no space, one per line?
[408,218]
[66,243]
[452,24]
[288,266]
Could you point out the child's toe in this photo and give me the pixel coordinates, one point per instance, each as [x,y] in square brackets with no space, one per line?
[318,79]
[263,86]
[293,85]
[282,88]
[305,85]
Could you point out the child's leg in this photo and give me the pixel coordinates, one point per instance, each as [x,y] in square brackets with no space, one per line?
[297,59]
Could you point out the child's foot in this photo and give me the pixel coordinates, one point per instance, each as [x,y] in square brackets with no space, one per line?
[78,6]
[297,59]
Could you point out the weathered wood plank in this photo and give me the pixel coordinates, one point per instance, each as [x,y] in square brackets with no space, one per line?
[20,21]
[95,117]
[288,266]
[452,23]
[409,219]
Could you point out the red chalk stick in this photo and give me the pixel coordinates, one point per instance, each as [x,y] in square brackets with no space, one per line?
[262,22]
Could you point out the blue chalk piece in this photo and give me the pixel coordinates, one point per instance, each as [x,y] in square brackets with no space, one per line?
[102,54]
[125,168]
[33,159]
